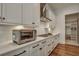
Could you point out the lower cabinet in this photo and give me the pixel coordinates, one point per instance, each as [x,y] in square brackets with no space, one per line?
[38,49]
[52,42]
[19,52]
[42,51]
[34,49]
[49,48]
[41,48]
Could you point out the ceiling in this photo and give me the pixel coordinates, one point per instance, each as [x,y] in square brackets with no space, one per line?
[61,5]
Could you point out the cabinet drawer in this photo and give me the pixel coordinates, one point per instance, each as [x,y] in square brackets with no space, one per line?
[49,41]
[12,13]
[56,38]
[35,45]
[43,43]
[19,52]
[34,49]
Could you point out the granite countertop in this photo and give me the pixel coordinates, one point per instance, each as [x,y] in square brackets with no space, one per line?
[10,46]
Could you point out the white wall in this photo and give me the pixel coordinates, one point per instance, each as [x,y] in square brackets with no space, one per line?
[5,34]
[61,19]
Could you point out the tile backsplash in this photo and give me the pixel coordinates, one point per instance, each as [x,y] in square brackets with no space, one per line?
[5,34]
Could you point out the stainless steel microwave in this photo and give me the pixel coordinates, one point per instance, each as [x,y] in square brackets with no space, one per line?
[23,36]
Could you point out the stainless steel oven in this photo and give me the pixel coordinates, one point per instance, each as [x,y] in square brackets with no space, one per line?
[23,36]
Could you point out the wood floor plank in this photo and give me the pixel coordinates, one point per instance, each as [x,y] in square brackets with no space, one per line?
[65,50]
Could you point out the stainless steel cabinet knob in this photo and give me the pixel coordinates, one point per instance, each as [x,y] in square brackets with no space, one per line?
[3,18]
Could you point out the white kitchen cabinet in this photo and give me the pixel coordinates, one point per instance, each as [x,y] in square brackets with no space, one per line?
[34,49]
[55,41]
[0,12]
[48,49]
[24,51]
[31,13]
[18,13]
[38,49]
[42,49]
[36,13]
[52,42]
[12,13]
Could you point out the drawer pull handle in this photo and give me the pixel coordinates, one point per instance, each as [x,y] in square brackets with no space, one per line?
[43,42]
[52,42]
[49,44]
[20,53]
[36,46]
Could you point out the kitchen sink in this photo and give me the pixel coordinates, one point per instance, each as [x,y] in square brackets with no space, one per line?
[45,35]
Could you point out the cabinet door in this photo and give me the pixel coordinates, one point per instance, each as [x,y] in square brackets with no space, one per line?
[56,39]
[0,12]
[42,51]
[34,49]
[42,48]
[49,45]
[31,13]
[19,52]
[12,12]
[36,13]
[27,13]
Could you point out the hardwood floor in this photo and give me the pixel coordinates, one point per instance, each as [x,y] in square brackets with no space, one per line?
[65,50]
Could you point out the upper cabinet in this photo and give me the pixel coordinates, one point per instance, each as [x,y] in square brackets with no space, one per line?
[18,13]
[31,13]
[0,12]
[12,13]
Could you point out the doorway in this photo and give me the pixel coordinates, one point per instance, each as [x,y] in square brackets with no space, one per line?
[72,29]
